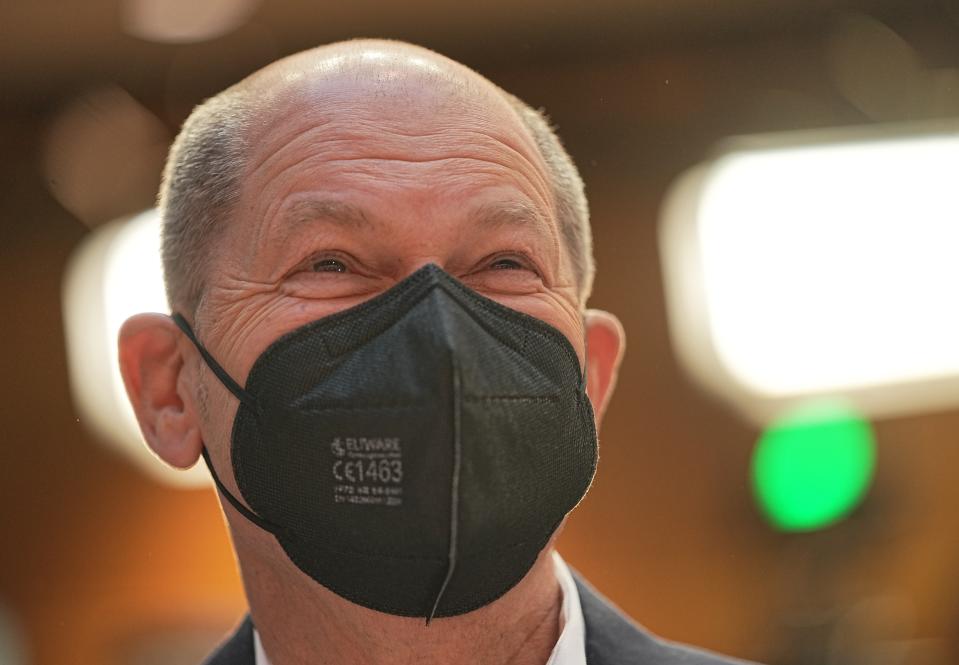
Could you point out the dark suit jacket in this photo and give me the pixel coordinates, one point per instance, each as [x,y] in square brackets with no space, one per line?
[611,639]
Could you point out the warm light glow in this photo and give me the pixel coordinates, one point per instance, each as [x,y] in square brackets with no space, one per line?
[183,21]
[13,649]
[103,152]
[115,273]
[823,267]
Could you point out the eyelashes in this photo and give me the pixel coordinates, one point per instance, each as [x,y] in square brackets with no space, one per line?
[329,265]
[508,262]
[329,262]
[330,275]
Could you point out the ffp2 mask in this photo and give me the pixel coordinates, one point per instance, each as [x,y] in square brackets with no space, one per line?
[414,453]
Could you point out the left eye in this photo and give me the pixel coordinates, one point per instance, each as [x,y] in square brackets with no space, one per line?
[506,264]
[329,265]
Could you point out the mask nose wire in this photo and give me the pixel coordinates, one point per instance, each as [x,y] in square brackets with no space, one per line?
[245,398]
[454,490]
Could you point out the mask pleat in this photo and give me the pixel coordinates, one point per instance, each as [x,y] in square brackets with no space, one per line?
[454,489]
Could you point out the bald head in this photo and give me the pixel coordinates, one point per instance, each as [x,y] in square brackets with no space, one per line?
[390,85]
[377,66]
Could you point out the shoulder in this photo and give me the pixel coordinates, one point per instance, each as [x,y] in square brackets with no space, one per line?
[237,649]
[612,638]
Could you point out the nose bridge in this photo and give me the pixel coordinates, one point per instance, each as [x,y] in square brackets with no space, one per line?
[454,329]
[443,317]
[415,264]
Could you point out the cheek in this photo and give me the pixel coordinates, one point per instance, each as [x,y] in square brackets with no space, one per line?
[203,401]
[217,408]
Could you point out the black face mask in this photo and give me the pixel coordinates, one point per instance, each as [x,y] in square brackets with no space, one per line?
[415,453]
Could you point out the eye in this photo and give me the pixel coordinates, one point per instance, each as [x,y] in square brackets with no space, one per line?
[512,272]
[329,265]
[506,263]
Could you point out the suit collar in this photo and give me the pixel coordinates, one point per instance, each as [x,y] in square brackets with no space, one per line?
[612,638]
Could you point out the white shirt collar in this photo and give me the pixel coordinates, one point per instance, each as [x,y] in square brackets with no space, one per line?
[258,652]
[570,648]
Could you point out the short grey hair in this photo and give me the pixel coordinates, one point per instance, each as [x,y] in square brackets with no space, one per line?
[200,188]
[569,195]
[202,182]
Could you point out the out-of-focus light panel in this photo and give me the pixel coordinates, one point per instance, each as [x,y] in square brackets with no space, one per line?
[114,274]
[13,650]
[820,265]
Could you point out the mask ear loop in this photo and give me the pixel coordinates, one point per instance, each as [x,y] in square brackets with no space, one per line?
[275,529]
[221,373]
[250,401]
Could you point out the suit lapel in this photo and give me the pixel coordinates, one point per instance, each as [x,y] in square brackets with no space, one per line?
[612,638]
[237,649]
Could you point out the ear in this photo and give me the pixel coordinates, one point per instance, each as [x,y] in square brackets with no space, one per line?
[152,366]
[605,344]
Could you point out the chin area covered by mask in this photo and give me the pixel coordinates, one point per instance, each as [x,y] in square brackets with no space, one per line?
[413,454]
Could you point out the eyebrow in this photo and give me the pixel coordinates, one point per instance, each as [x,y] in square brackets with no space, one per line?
[497,214]
[300,215]
[512,213]
[519,215]
[305,211]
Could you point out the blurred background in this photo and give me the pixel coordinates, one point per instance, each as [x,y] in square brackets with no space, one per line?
[103,562]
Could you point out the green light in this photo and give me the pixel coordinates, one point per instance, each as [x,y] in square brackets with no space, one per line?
[811,468]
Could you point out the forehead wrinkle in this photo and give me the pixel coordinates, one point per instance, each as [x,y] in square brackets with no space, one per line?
[358,140]
[455,166]
[329,111]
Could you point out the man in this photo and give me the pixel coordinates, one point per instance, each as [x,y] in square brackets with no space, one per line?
[378,263]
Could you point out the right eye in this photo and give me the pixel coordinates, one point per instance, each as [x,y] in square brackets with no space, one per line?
[329,265]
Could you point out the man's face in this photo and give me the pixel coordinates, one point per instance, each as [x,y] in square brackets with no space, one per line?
[357,177]
[351,190]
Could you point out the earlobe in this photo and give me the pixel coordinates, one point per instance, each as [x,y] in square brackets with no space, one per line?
[605,345]
[151,364]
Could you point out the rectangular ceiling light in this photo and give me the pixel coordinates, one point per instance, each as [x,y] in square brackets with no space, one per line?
[819,265]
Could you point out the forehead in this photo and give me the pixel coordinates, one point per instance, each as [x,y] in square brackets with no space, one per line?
[403,115]
[389,134]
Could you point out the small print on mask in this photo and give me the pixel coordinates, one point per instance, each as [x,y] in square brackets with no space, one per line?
[367,470]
